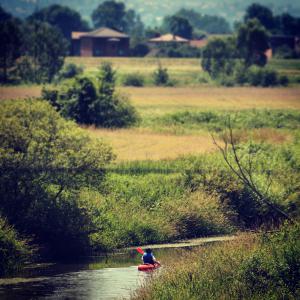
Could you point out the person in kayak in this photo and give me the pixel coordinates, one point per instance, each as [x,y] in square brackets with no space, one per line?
[148,257]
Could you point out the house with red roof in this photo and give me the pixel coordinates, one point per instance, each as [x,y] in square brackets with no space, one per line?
[100,42]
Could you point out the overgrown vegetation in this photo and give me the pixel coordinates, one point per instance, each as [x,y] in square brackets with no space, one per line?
[97,103]
[46,166]
[134,79]
[265,267]
[14,252]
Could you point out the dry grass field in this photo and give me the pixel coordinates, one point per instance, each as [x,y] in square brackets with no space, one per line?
[136,144]
[168,99]
[141,143]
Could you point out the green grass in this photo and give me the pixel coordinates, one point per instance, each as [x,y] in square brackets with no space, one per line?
[252,267]
[182,71]
[217,121]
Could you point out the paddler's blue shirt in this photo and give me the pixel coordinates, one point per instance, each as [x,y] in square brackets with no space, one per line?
[148,258]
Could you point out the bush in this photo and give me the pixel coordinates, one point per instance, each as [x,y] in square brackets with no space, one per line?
[68,71]
[140,50]
[133,80]
[88,103]
[175,50]
[265,77]
[45,164]
[14,252]
[161,76]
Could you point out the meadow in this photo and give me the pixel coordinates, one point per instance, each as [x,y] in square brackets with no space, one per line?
[167,181]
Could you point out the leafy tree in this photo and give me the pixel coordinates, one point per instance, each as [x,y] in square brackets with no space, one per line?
[114,15]
[206,23]
[44,50]
[261,13]
[11,37]
[88,103]
[252,42]
[217,57]
[178,26]
[45,164]
[62,17]
[287,24]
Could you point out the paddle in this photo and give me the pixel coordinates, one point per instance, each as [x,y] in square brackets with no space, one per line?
[140,250]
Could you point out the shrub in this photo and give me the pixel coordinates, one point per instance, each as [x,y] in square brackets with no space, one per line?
[133,80]
[161,76]
[140,50]
[14,252]
[68,71]
[98,103]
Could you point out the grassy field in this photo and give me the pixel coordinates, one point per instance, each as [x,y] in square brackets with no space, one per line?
[183,71]
[156,139]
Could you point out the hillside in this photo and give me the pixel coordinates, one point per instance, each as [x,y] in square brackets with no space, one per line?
[153,11]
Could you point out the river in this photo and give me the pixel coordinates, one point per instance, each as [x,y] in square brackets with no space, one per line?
[103,277]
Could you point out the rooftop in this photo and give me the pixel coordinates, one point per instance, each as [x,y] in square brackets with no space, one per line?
[101,32]
[169,38]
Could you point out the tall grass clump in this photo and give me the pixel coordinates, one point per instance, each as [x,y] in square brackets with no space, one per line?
[246,119]
[251,267]
[14,251]
[134,79]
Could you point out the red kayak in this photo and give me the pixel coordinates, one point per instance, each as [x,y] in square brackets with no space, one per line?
[148,267]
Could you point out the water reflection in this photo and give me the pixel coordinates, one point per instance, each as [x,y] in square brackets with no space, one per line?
[113,277]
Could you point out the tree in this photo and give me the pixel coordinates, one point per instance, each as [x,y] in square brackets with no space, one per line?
[243,167]
[252,42]
[261,13]
[88,103]
[44,51]
[110,14]
[11,37]
[114,15]
[205,23]
[45,163]
[178,26]
[217,56]
[287,24]
[62,17]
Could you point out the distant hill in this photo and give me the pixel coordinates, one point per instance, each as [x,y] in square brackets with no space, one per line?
[152,11]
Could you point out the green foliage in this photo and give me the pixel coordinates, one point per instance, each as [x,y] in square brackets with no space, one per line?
[247,119]
[10,32]
[134,79]
[212,175]
[113,14]
[265,77]
[97,103]
[252,42]
[175,50]
[68,71]
[14,252]
[45,164]
[260,12]
[178,25]
[161,76]
[64,18]
[217,57]
[44,50]
[275,267]
[207,23]
[249,268]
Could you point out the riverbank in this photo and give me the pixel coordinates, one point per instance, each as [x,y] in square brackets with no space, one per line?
[250,267]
